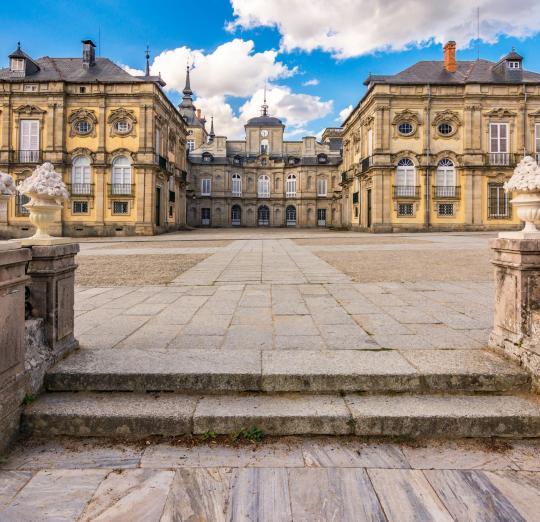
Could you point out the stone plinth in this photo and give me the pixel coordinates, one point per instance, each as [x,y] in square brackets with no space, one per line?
[12,380]
[516,330]
[52,273]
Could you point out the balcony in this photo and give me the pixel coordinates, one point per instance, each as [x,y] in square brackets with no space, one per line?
[81,189]
[355,198]
[446,192]
[161,162]
[28,156]
[406,192]
[172,196]
[122,189]
[500,159]
[366,163]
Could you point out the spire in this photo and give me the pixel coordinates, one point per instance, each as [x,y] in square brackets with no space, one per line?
[187,89]
[264,106]
[212,134]
[147,55]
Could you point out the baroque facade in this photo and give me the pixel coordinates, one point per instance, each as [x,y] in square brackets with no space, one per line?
[117,140]
[430,148]
[263,180]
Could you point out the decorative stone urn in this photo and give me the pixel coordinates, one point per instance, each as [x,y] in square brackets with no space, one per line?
[526,183]
[7,189]
[46,191]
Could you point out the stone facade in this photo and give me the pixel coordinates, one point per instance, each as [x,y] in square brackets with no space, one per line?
[117,140]
[430,147]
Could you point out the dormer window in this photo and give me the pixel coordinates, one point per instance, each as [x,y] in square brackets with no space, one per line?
[264,146]
[207,157]
[17,65]
[322,158]
[514,64]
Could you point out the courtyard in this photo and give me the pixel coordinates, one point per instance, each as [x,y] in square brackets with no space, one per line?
[275,310]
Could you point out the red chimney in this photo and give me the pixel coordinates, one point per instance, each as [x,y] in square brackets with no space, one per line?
[450,64]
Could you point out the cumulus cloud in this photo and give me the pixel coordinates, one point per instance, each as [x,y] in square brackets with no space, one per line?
[344,113]
[131,70]
[314,81]
[357,27]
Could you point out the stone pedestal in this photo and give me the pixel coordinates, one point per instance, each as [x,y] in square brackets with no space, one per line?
[13,261]
[52,273]
[516,330]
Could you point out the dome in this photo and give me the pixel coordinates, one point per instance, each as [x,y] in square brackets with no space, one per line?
[265,121]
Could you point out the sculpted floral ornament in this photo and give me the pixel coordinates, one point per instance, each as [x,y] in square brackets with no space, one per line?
[46,191]
[7,189]
[526,182]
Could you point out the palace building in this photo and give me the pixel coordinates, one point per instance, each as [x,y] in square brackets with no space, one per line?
[117,139]
[263,180]
[429,148]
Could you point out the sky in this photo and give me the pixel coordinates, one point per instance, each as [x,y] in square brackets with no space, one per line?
[313,55]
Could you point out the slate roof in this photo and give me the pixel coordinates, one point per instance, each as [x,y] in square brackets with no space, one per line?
[266,121]
[433,72]
[72,70]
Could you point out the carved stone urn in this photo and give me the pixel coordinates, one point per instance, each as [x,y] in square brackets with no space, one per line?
[525,182]
[46,191]
[7,190]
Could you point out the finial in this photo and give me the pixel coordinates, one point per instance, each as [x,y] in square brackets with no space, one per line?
[212,133]
[147,54]
[264,105]
[18,46]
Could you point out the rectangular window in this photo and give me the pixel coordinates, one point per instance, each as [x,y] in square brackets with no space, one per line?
[17,64]
[205,216]
[120,207]
[79,207]
[498,137]
[370,142]
[206,187]
[356,211]
[321,187]
[405,209]
[445,209]
[321,217]
[30,87]
[537,138]
[20,201]
[498,207]
[190,145]
[158,141]
[29,141]
[291,187]
[236,185]
[82,90]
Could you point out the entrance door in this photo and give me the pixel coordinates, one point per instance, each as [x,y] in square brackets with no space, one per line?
[158,206]
[263,216]
[290,215]
[236,214]
[369,208]
[205,216]
[321,217]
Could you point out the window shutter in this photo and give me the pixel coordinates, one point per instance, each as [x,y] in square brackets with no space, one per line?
[494,137]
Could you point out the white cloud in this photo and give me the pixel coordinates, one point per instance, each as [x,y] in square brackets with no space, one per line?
[349,28]
[344,113]
[295,109]
[131,70]
[314,81]
[232,69]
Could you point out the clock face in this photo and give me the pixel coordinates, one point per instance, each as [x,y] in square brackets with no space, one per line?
[264,133]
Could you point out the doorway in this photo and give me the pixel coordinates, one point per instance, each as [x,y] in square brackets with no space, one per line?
[236,215]
[369,208]
[158,206]
[321,217]
[263,216]
[290,216]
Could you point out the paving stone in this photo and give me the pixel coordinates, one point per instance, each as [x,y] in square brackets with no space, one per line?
[136,494]
[59,495]
[196,342]
[442,336]
[150,336]
[144,309]
[410,314]
[525,454]
[347,337]
[380,324]
[208,324]
[300,342]
[254,337]
[11,482]
[282,414]
[403,342]
[294,325]
[300,370]
[252,316]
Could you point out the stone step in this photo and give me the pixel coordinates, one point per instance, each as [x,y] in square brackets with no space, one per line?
[316,371]
[139,415]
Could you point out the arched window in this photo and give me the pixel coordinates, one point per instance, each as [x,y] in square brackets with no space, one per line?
[236,185]
[81,176]
[236,215]
[264,146]
[263,215]
[263,186]
[445,180]
[290,216]
[322,188]
[121,175]
[291,186]
[405,178]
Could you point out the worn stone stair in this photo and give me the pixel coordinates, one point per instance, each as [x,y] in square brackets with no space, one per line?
[418,393]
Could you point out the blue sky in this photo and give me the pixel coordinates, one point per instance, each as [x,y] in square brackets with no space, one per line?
[363,37]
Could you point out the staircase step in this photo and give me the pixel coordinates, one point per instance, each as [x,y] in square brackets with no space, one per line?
[137,415]
[313,371]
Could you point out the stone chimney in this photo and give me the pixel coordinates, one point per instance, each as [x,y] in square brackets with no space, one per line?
[450,64]
[89,53]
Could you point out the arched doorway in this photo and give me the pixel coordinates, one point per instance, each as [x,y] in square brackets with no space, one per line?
[290,215]
[263,216]
[236,215]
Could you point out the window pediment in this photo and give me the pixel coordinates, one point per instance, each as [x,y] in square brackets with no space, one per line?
[83,151]
[83,123]
[447,124]
[406,123]
[29,109]
[500,113]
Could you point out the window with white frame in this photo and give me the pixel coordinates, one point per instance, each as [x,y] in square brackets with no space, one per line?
[537,139]
[81,175]
[498,207]
[121,175]
[158,141]
[322,187]
[17,64]
[498,137]
[291,186]
[263,186]
[236,185]
[405,178]
[190,145]
[514,64]
[264,146]
[30,87]
[445,179]
[29,140]
[370,142]
[206,187]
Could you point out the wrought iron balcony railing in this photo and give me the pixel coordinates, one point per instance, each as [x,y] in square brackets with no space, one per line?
[500,159]
[122,189]
[28,156]
[406,192]
[446,192]
[81,189]
[366,163]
